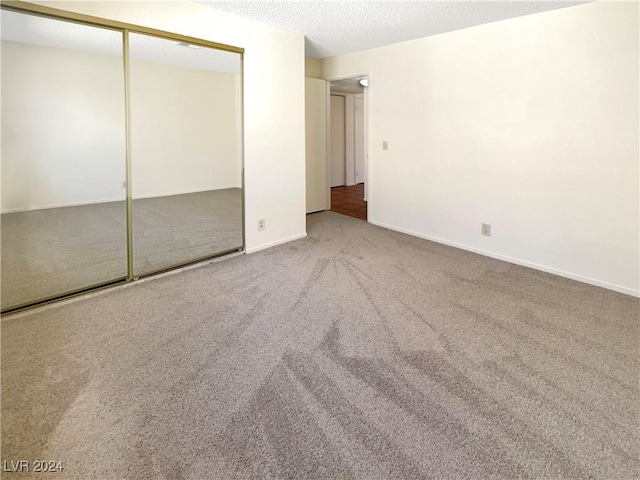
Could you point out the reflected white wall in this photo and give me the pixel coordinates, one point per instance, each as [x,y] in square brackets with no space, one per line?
[73,134]
[63,137]
[183,130]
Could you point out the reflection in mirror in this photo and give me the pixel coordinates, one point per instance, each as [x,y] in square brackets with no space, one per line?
[63,158]
[186,152]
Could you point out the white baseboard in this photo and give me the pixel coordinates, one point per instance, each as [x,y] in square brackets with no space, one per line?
[273,244]
[60,205]
[516,261]
[180,192]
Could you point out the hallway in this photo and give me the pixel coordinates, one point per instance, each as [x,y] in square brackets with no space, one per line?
[348,200]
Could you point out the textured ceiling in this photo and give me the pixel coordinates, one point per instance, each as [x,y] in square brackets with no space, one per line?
[46,32]
[334,27]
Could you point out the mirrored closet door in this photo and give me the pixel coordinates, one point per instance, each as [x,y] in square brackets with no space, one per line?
[121,153]
[63,215]
[186,152]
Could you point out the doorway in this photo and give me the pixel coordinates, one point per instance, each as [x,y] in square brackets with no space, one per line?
[348,163]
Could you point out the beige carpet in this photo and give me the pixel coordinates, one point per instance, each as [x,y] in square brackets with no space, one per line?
[356,353]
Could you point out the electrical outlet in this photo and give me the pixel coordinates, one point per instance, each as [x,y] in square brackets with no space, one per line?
[124,184]
[486,229]
[385,145]
[262,224]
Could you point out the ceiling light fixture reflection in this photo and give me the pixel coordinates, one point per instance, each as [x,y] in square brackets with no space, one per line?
[188,45]
[364,82]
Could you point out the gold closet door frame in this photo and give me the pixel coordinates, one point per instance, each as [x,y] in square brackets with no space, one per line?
[126,28]
[26,7]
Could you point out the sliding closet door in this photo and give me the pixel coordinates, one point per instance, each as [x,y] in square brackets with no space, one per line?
[186,152]
[63,158]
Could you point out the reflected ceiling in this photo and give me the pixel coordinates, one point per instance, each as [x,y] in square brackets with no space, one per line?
[46,32]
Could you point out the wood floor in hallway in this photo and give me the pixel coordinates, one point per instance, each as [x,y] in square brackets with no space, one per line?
[349,200]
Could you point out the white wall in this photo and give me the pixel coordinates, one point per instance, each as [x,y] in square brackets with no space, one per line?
[337,119]
[316,145]
[312,67]
[359,139]
[274,117]
[63,128]
[350,138]
[529,124]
